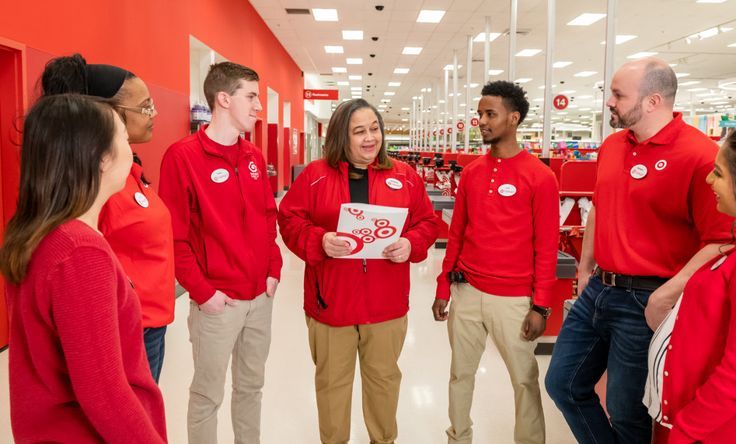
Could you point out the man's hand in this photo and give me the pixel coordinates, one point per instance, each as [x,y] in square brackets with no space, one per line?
[399,251]
[334,246]
[533,325]
[271,285]
[660,303]
[216,304]
[439,310]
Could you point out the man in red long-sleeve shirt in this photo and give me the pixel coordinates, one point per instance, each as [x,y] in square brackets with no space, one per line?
[500,264]
[224,220]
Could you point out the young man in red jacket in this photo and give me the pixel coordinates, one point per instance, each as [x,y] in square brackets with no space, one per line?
[500,264]
[224,219]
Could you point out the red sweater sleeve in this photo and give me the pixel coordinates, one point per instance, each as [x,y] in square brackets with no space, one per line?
[176,193]
[86,315]
[275,260]
[422,229]
[546,219]
[715,400]
[300,234]
[455,239]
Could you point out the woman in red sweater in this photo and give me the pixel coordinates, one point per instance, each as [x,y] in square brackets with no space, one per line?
[78,370]
[135,221]
[691,391]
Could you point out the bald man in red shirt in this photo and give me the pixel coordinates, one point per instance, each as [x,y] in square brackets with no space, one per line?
[500,265]
[654,223]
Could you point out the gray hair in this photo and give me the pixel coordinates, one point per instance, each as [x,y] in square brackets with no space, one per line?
[659,78]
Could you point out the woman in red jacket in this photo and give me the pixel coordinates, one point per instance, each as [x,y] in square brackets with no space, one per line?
[135,222]
[691,390]
[353,306]
[78,369]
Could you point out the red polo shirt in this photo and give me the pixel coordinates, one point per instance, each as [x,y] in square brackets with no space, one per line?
[653,209]
[505,229]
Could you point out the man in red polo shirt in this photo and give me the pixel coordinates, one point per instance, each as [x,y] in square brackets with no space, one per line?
[500,264]
[224,219]
[654,223]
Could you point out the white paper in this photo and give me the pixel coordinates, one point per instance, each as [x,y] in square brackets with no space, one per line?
[370,228]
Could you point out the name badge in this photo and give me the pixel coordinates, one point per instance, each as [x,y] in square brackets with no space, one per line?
[638,171]
[507,190]
[141,199]
[220,175]
[394,184]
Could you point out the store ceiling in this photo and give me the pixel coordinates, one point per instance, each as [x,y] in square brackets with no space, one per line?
[661,26]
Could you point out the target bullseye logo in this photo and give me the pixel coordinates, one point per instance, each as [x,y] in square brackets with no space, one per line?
[660,165]
[355,212]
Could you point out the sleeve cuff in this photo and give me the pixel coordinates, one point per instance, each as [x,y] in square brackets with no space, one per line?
[418,252]
[443,289]
[543,297]
[201,295]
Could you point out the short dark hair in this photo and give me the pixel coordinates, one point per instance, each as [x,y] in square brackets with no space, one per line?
[225,77]
[337,140]
[513,95]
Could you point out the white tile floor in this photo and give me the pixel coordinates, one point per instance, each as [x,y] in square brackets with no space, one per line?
[289,410]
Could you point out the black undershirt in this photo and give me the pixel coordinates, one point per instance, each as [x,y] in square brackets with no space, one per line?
[358,186]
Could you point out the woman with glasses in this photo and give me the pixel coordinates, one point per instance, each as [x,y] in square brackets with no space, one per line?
[134,221]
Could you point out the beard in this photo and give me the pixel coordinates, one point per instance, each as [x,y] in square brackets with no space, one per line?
[627,120]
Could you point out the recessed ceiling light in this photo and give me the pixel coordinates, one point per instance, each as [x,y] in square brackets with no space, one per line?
[732,45]
[585,97]
[430,16]
[710,1]
[386,100]
[389,93]
[708,33]
[682,74]
[561,64]
[393,84]
[449,67]
[354,61]
[567,91]
[334,49]
[528,52]
[538,99]
[482,37]
[412,50]
[623,38]
[401,70]
[523,80]
[642,54]
[585,73]
[355,77]
[672,65]
[585,19]
[356,88]
[404,120]
[495,72]
[406,108]
[339,69]
[352,35]
[324,15]
[697,89]
[343,83]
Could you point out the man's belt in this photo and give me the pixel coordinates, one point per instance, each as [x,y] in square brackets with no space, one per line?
[648,283]
[457,277]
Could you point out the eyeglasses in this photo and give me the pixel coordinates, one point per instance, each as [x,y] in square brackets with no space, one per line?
[149,110]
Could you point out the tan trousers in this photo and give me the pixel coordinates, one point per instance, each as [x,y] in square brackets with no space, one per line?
[243,331]
[473,316]
[333,352]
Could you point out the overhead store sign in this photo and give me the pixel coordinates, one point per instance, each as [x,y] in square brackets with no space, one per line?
[460,125]
[320,94]
[474,121]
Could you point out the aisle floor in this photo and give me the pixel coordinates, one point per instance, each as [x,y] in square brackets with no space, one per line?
[289,409]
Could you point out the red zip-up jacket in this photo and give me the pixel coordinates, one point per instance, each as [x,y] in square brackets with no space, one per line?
[223,215]
[340,292]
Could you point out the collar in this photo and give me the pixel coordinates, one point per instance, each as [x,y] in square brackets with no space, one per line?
[665,136]
[215,149]
[137,172]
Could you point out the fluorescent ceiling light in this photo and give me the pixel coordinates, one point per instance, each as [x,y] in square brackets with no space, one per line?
[389,93]
[672,65]
[411,50]
[356,88]
[732,45]
[480,38]
[386,100]
[352,35]
[528,52]
[495,72]
[710,1]
[523,80]
[708,33]
[449,67]
[585,19]
[568,91]
[324,15]
[355,77]
[641,55]
[682,74]
[406,108]
[587,96]
[623,38]
[585,73]
[343,83]
[339,69]
[404,120]
[697,89]
[392,84]
[334,49]
[430,16]
[354,61]
[401,71]
[538,99]
[561,64]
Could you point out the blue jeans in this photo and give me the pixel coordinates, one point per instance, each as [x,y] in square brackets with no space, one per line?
[606,328]
[153,338]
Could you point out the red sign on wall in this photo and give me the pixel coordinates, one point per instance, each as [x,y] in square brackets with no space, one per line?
[474,121]
[560,102]
[321,94]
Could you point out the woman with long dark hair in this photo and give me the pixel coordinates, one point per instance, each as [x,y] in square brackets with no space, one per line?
[78,369]
[135,221]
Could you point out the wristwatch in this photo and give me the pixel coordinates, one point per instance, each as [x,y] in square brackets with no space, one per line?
[544,311]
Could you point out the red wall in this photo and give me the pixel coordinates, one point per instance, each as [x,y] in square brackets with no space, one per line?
[151,39]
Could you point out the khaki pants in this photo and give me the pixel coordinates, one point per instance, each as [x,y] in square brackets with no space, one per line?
[473,316]
[243,331]
[333,352]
